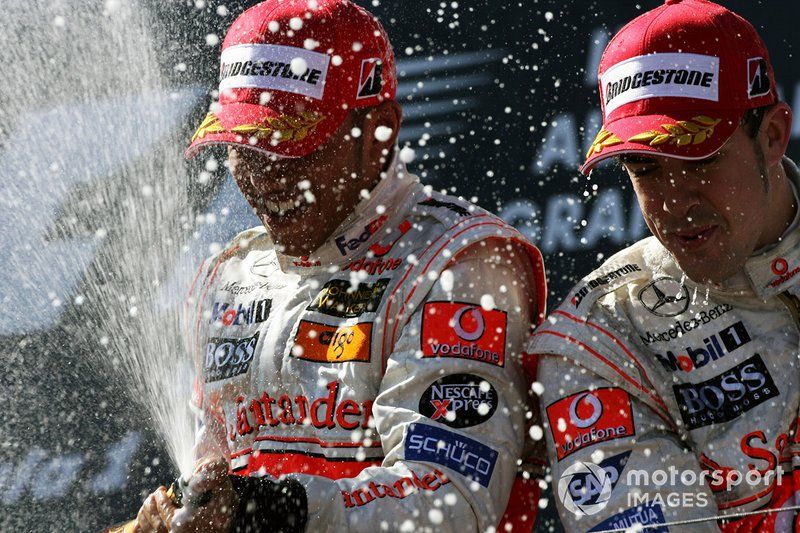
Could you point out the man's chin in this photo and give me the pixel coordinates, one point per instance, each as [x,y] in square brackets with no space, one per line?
[293,235]
[706,270]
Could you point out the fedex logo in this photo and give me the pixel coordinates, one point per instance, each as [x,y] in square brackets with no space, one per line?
[346,245]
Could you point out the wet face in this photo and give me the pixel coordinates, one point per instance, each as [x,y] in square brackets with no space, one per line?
[301,201]
[711,213]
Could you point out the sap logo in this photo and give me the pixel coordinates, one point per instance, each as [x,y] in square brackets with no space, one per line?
[243,314]
[346,245]
[471,458]
[227,358]
[586,488]
[716,346]
[726,396]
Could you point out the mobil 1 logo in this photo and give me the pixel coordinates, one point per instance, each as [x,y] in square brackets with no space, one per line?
[726,396]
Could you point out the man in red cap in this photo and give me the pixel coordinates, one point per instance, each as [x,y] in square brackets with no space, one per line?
[359,353]
[671,372]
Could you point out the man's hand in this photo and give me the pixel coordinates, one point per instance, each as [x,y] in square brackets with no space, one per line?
[156,513]
[160,515]
[216,515]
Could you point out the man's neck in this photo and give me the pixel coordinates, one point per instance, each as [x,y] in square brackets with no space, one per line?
[783,209]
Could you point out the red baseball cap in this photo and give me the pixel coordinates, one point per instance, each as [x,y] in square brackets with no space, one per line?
[677,80]
[290,72]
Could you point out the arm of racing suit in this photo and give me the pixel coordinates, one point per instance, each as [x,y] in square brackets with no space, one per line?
[590,421]
[419,484]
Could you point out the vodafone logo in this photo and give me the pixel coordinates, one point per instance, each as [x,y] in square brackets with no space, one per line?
[588,417]
[779,266]
[464,330]
[477,329]
[596,413]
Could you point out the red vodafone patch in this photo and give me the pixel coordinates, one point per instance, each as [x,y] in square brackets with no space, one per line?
[589,417]
[464,330]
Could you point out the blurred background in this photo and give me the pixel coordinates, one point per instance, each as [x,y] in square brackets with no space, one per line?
[500,105]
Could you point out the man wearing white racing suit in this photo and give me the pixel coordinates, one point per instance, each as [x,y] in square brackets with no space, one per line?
[670,374]
[360,360]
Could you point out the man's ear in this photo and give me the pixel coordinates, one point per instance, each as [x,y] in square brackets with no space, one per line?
[379,131]
[775,133]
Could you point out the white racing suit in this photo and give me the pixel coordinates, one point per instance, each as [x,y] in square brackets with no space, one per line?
[644,370]
[383,372]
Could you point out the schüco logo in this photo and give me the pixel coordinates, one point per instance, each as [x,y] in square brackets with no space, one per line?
[715,347]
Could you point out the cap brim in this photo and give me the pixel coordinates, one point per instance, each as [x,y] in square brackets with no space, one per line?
[267,130]
[689,136]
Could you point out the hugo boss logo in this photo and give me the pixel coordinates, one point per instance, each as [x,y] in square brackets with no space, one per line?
[459,400]
[227,358]
[726,396]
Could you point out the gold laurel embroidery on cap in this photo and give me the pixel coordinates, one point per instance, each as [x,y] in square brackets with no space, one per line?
[682,133]
[210,124]
[280,129]
[603,140]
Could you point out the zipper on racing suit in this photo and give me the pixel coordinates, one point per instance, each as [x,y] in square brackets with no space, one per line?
[792,303]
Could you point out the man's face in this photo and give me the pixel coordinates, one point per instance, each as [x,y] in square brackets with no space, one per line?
[708,213]
[302,200]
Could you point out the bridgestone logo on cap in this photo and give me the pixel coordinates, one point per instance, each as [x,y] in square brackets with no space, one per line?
[660,75]
[269,66]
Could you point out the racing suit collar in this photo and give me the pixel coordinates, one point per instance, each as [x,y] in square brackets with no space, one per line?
[362,228]
[774,268]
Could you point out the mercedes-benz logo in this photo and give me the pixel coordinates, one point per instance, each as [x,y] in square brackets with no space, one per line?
[665,297]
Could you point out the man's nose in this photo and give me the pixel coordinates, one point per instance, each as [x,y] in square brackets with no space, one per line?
[680,197]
